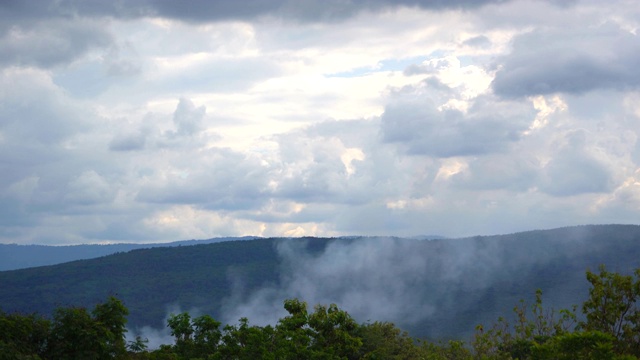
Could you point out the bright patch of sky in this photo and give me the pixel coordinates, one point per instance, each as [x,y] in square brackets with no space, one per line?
[387,65]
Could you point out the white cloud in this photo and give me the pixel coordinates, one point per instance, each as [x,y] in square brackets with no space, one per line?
[421,124]
[286,119]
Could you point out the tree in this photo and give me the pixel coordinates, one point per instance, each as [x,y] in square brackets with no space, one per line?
[138,345]
[75,335]
[383,340]
[206,335]
[249,342]
[194,338]
[612,308]
[293,336]
[451,350]
[334,333]
[590,345]
[23,336]
[534,325]
[182,331]
[111,319]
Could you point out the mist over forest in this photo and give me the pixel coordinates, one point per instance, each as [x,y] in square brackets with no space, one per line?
[438,288]
[442,283]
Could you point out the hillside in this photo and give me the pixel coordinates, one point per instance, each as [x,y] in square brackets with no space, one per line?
[14,256]
[434,288]
[147,280]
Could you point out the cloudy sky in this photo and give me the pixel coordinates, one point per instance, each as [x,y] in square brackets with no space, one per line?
[154,120]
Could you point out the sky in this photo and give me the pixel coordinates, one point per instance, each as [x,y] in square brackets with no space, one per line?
[156,120]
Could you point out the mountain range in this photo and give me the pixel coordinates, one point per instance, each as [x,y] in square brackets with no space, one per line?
[14,256]
[434,288]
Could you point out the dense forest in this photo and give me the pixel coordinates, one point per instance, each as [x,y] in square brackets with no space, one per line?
[14,256]
[436,289]
[609,328]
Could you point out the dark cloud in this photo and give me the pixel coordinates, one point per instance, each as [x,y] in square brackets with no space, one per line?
[49,163]
[89,188]
[122,61]
[87,78]
[421,128]
[315,171]
[515,171]
[553,61]
[50,43]
[316,164]
[574,170]
[83,80]
[204,10]
[14,198]
[89,151]
[35,110]
[478,41]
[18,11]
[573,174]
[314,10]
[219,179]
[188,118]
[128,142]
[124,226]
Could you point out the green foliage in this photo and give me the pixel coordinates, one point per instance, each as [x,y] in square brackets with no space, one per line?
[327,333]
[145,279]
[592,345]
[198,276]
[533,325]
[490,343]
[612,308]
[74,333]
[248,342]
[334,333]
[543,323]
[451,350]
[293,336]
[138,345]
[206,335]
[609,331]
[111,320]
[23,337]
[194,338]
[383,340]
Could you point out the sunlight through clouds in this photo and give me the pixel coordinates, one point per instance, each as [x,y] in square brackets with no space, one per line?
[160,122]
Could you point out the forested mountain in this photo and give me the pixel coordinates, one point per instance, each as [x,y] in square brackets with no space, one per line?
[433,288]
[148,280]
[14,256]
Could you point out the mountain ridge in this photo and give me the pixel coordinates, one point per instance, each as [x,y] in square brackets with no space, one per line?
[437,288]
[16,256]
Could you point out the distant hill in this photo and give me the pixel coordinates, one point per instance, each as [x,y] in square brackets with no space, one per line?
[147,280]
[13,256]
[439,288]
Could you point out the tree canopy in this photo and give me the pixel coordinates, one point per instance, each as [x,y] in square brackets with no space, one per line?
[607,328]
